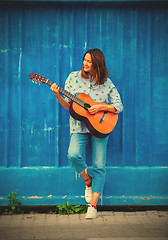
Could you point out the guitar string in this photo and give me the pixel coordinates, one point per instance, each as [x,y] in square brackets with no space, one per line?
[66,93]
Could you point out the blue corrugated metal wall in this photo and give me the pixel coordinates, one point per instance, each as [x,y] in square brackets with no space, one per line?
[34,129]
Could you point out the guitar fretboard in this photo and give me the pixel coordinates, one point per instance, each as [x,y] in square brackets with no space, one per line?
[70,96]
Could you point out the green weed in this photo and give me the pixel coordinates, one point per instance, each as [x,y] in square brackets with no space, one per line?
[13,204]
[66,209]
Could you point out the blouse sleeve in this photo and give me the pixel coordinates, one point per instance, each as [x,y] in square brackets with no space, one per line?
[115,99]
[67,87]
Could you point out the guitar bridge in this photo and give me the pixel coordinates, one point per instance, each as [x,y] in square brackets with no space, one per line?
[103,117]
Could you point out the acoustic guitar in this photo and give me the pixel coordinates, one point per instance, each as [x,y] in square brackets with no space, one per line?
[99,124]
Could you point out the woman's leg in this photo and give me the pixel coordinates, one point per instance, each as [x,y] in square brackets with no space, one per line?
[77,145]
[95,198]
[99,150]
[86,177]
[99,146]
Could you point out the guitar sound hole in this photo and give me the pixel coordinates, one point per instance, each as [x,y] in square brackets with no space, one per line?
[86,106]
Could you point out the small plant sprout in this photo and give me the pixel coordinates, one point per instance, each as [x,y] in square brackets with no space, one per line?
[13,203]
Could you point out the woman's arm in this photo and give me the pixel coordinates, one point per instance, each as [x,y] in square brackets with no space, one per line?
[101,107]
[60,99]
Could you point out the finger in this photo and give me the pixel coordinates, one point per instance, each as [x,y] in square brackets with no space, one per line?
[52,87]
[91,111]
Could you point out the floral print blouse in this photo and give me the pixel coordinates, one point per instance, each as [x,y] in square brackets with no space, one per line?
[105,93]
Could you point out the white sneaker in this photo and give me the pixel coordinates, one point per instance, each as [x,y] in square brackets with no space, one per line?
[91,212]
[88,194]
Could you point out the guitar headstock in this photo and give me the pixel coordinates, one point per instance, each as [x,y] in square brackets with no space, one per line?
[38,78]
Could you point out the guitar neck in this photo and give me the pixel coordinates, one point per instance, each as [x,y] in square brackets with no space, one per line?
[40,79]
[70,96]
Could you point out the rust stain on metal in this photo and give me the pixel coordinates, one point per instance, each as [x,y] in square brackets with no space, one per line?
[34,197]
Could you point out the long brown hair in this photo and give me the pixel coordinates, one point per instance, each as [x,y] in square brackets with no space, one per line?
[99,66]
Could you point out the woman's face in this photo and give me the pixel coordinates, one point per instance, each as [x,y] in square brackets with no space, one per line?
[87,63]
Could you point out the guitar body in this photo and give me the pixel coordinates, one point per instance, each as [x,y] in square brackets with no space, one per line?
[99,124]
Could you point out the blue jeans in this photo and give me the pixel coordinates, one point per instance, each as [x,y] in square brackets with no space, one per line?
[77,145]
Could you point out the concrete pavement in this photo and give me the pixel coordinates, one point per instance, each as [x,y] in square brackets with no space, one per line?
[139,225]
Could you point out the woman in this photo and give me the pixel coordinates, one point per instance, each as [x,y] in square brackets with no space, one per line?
[92,80]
